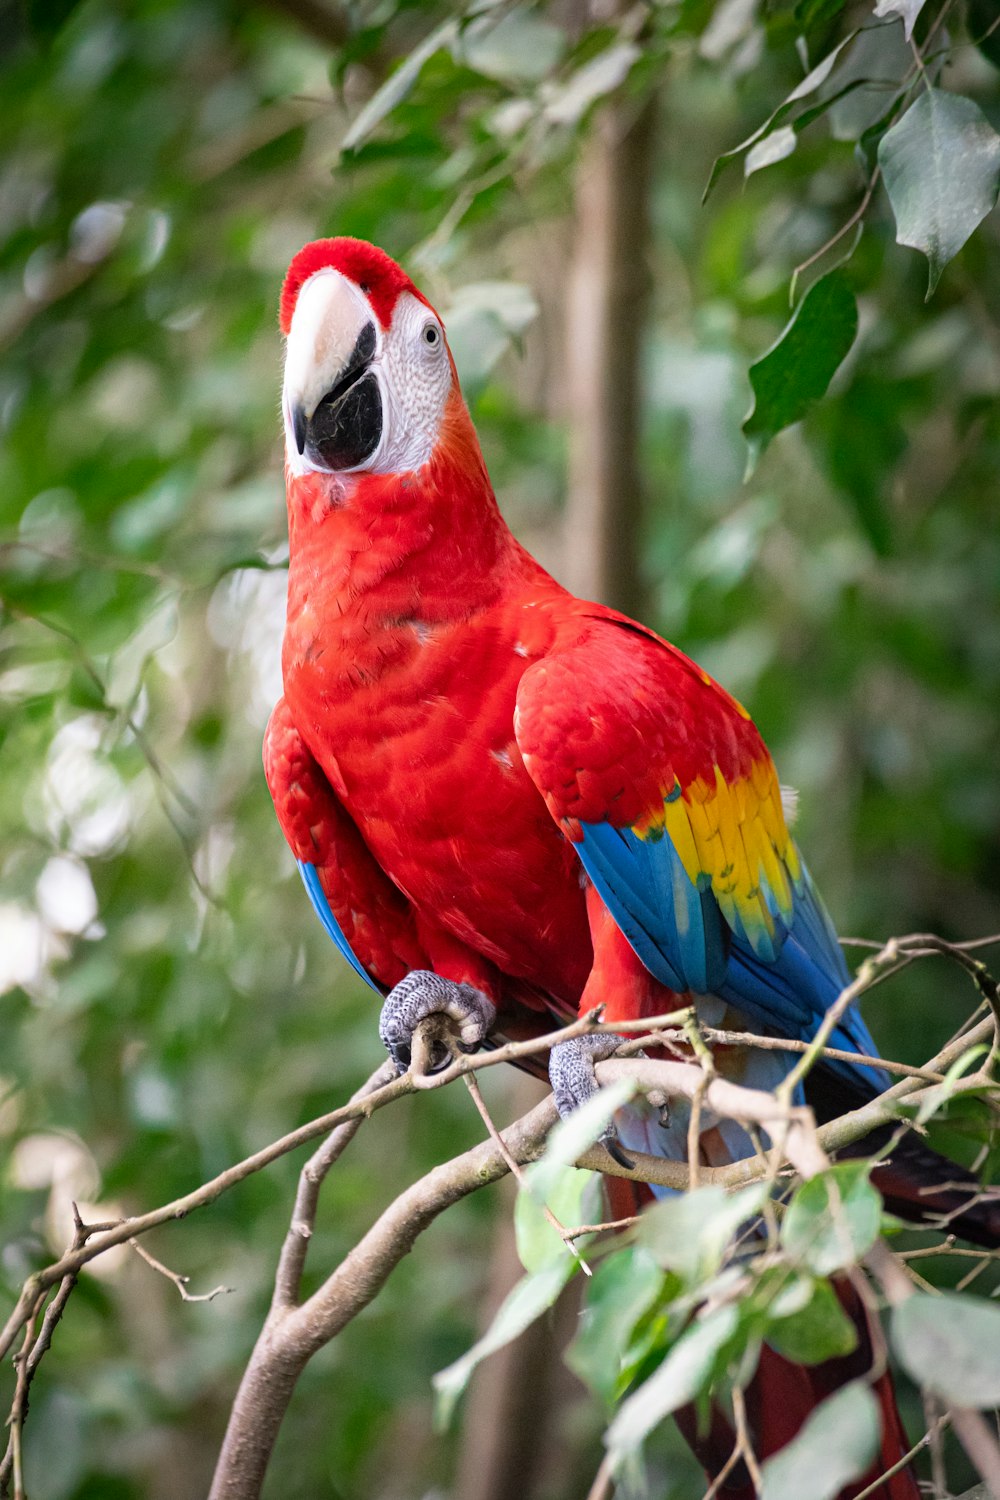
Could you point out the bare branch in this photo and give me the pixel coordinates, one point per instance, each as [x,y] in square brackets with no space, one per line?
[292,1335]
[288,1277]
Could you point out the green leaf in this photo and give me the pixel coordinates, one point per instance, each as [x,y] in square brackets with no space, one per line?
[833,1219]
[814,1331]
[774,147]
[685,1373]
[484,318]
[689,1233]
[572,1136]
[538,1242]
[623,1287]
[796,371]
[567,103]
[519,1309]
[908,10]
[517,48]
[812,81]
[836,1444]
[782,142]
[941,165]
[398,85]
[951,1345]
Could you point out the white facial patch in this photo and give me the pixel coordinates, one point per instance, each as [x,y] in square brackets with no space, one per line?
[415,379]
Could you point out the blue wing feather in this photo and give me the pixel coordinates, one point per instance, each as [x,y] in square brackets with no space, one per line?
[679,932]
[676,929]
[321,906]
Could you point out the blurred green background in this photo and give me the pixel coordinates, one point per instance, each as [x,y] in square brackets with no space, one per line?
[167,1001]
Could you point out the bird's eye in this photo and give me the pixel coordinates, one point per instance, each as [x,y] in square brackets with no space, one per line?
[431,334]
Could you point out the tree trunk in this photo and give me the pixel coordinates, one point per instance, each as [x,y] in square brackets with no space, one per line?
[606,305]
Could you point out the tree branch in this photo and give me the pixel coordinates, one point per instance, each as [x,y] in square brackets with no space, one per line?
[292,1335]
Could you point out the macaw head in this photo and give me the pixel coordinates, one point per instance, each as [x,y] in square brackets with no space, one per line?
[368,372]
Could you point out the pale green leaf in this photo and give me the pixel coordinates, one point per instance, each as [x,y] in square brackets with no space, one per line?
[574,1198]
[937,1097]
[519,1309]
[836,1443]
[941,165]
[950,1344]
[397,85]
[813,80]
[519,47]
[907,10]
[833,1219]
[689,1232]
[597,78]
[572,1136]
[484,318]
[623,1287]
[774,147]
[686,1371]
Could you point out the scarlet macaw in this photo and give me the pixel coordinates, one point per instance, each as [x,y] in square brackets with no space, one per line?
[509,804]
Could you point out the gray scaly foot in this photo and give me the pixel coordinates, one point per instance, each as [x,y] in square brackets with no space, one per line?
[422,994]
[573,1080]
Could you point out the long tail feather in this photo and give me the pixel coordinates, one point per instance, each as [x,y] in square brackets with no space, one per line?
[924,1187]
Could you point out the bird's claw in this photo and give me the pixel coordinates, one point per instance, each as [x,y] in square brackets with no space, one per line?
[573,1081]
[422,994]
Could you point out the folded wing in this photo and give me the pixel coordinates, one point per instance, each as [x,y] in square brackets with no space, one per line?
[668,792]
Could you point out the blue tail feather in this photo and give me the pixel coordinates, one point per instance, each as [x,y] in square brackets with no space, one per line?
[321,906]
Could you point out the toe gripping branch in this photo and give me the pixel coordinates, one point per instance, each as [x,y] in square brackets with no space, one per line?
[464,1009]
[573,1080]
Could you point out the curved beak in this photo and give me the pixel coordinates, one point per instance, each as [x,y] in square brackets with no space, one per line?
[333,403]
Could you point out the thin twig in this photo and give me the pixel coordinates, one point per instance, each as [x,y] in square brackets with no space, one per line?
[939,1469]
[907,1458]
[695,1041]
[889,954]
[608,1226]
[963,947]
[291,1262]
[743,1441]
[566,1235]
[973,1432]
[179,1281]
[603,1487]
[973,1275]
[845,228]
[794,1044]
[723,1474]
